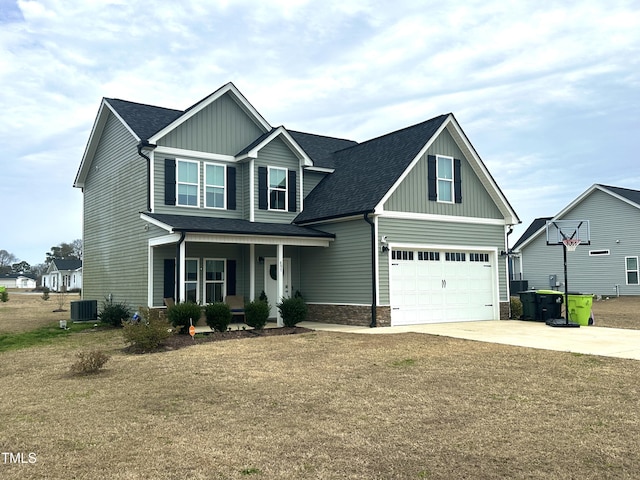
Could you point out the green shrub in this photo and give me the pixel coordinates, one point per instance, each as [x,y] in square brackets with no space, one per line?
[263,297]
[181,315]
[4,296]
[293,311]
[89,362]
[516,308]
[114,313]
[149,333]
[218,316]
[256,314]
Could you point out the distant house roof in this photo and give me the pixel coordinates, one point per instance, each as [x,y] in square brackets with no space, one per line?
[17,275]
[536,225]
[67,264]
[196,224]
[365,172]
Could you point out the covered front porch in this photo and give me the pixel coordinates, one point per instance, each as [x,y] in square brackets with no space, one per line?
[205,260]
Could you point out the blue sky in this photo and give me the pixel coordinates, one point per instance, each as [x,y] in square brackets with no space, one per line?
[547,92]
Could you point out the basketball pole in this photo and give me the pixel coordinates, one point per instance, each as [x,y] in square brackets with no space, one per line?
[566,286]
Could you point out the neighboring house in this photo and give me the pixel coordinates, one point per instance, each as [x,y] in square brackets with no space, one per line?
[608,266]
[63,275]
[214,201]
[17,280]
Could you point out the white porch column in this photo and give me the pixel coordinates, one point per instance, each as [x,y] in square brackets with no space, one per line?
[252,272]
[280,295]
[150,278]
[181,261]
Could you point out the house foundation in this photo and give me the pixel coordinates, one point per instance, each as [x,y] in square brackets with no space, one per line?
[356,315]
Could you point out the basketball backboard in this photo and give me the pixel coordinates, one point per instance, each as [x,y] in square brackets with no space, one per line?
[559,230]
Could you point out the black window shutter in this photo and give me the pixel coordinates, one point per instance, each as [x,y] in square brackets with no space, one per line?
[169,278]
[231,277]
[169,181]
[431,174]
[262,188]
[457,181]
[293,206]
[231,188]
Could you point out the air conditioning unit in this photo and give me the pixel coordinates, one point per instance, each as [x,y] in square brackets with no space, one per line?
[84,310]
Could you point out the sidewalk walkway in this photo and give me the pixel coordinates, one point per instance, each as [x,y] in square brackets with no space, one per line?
[608,342]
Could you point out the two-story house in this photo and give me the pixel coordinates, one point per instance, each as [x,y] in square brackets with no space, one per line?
[214,201]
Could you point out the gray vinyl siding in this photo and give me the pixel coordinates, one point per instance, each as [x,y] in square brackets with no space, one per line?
[159,190]
[412,194]
[611,219]
[276,154]
[420,232]
[222,127]
[115,242]
[341,273]
[311,180]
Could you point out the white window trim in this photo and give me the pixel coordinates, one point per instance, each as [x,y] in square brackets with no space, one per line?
[206,282]
[224,185]
[627,271]
[270,189]
[178,183]
[197,280]
[438,179]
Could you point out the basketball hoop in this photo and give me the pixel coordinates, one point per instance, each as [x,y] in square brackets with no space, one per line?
[571,244]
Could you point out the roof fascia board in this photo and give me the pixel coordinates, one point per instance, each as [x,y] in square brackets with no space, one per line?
[94,139]
[604,189]
[228,88]
[288,140]
[380,206]
[336,219]
[485,176]
[319,169]
[181,152]
[157,223]
[247,239]
[432,217]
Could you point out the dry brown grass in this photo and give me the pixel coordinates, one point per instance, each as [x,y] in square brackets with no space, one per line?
[622,312]
[320,406]
[27,311]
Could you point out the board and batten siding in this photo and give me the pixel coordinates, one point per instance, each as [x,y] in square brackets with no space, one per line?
[611,219]
[412,194]
[222,127]
[341,273]
[114,238]
[159,189]
[276,154]
[421,232]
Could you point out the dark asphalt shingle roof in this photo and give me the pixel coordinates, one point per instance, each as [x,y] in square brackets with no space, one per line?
[67,264]
[629,194]
[144,120]
[190,223]
[365,172]
[319,148]
[536,225]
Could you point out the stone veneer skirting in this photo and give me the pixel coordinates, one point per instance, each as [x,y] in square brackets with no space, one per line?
[505,310]
[357,315]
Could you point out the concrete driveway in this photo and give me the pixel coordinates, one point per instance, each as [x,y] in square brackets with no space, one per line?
[608,342]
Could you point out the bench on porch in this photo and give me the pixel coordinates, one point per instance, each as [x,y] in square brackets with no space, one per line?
[236,304]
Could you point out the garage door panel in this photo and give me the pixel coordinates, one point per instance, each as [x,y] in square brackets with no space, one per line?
[436,290]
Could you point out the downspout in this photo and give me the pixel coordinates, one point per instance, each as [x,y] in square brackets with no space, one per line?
[374,287]
[140,146]
[182,235]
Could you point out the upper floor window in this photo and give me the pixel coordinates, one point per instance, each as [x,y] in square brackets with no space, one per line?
[188,183]
[214,185]
[445,178]
[277,188]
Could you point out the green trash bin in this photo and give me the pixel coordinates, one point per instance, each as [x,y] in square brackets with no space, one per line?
[580,308]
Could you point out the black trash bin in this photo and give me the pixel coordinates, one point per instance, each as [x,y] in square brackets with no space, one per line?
[529,304]
[541,305]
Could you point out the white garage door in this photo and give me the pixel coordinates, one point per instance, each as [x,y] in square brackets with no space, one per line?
[441,286]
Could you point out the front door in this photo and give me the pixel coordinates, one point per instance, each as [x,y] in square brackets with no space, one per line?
[271,282]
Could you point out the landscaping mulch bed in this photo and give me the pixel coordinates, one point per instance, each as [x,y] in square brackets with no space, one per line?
[176,342]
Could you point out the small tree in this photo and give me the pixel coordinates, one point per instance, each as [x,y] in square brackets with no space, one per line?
[61,299]
[4,295]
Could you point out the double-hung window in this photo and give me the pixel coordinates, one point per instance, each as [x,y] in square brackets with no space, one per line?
[445,178]
[277,188]
[214,288]
[188,184]
[191,267]
[214,194]
[631,266]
